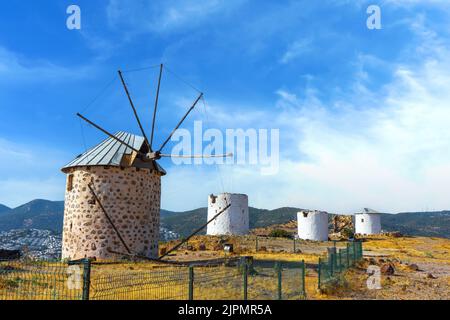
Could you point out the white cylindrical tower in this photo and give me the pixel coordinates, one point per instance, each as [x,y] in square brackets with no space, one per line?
[368,222]
[233,221]
[312,225]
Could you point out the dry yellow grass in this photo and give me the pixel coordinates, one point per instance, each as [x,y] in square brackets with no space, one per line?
[145,280]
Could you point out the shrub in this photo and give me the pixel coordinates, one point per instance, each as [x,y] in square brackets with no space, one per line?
[278,233]
[347,233]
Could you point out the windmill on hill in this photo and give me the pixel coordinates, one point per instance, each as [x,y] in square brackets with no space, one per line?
[113,192]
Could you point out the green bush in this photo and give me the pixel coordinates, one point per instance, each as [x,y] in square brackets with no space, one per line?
[278,233]
[347,233]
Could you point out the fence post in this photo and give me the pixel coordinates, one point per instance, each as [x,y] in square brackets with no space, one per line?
[256,243]
[278,270]
[340,260]
[294,246]
[331,264]
[191,283]
[319,267]
[245,279]
[360,250]
[303,278]
[355,258]
[86,278]
[348,255]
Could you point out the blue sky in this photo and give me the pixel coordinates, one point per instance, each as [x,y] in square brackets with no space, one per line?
[363,114]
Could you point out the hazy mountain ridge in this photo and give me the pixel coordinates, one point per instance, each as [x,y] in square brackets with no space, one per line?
[4,209]
[48,215]
[37,214]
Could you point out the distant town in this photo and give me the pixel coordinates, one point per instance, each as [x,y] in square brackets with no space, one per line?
[46,244]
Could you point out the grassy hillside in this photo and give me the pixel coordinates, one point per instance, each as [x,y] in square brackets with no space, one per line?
[431,224]
[44,214]
[186,222]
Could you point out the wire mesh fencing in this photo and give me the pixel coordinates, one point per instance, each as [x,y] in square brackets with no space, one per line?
[40,280]
[217,283]
[269,280]
[244,279]
[338,261]
[138,281]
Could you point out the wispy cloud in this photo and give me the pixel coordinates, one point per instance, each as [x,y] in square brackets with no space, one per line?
[296,50]
[165,16]
[17,67]
[29,171]
[392,154]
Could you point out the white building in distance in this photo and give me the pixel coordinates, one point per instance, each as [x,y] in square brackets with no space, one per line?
[368,222]
[234,220]
[312,225]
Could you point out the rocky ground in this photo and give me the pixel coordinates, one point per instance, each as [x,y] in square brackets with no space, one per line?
[411,267]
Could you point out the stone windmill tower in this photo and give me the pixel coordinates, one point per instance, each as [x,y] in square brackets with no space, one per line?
[234,220]
[113,192]
[368,222]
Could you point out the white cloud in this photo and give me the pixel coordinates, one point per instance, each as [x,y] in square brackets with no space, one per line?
[296,50]
[20,191]
[164,16]
[393,154]
[29,171]
[17,67]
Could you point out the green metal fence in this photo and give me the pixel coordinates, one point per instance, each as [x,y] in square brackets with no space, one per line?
[83,279]
[138,281]
[40,280]
[335,263]
[269,280]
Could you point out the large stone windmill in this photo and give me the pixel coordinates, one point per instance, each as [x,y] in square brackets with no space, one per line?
[113,192]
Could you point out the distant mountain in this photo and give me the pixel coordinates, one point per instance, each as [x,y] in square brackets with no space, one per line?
[4,209]
[48,215]
[37,214]
[431,224]
[186,222]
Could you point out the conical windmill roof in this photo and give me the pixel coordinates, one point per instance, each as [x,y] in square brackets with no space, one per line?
[370,211]
[111,152]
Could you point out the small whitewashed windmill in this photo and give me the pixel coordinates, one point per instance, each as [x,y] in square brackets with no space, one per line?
[113,193]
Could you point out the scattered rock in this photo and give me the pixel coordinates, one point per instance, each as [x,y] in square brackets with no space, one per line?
[262,248]
[372,261]
[162,251]
[7,268]
[388,269]
[190,247]
[395,234]
[202,247]
[430,276]
[413,267]
[381,261]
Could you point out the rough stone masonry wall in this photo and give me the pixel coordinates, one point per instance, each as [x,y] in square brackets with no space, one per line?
[130,196]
